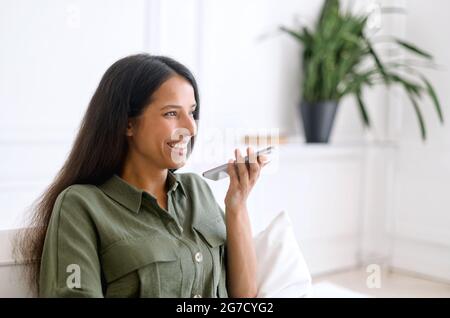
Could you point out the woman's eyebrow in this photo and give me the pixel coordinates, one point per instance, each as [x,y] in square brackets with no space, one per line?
[177,106]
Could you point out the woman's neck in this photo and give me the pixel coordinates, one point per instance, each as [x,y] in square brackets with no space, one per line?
[144,176]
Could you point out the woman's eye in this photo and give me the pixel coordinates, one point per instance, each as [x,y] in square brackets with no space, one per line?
[173,113]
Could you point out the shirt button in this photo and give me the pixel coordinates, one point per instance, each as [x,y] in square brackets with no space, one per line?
[197,296]
[198,257]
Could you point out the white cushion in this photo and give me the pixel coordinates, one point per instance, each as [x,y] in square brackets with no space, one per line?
[282,270]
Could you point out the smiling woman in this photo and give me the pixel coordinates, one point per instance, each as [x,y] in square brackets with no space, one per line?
[118,221]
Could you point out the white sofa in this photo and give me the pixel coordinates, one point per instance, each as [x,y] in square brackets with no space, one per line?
[12,283]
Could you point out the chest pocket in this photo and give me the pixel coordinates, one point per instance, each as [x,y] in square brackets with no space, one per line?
[213,232]
[142,267]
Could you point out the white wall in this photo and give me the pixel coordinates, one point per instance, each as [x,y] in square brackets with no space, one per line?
[52,56]
[422,201]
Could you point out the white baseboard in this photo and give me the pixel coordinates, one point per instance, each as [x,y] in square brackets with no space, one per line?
[429,260]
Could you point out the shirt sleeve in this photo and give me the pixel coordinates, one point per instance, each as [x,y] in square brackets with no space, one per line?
[70,265]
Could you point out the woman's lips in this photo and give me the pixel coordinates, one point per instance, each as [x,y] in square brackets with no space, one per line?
[178,148]
[178,145]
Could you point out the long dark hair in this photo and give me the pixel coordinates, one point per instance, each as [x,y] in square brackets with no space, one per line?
[100,147]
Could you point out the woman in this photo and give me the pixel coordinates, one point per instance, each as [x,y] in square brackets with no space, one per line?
[118,222]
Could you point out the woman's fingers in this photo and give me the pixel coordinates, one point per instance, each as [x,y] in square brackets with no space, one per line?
[244,173]
[242,169]
[231,169]
[263,160]
[253,165]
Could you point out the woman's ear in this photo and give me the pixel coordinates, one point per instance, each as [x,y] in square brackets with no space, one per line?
[130,126]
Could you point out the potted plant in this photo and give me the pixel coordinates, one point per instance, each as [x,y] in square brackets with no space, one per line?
[339,59]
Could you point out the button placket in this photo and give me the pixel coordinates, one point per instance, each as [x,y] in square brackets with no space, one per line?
[173,214]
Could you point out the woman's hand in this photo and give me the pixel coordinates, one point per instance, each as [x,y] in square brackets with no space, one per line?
[242,178]
[241,255]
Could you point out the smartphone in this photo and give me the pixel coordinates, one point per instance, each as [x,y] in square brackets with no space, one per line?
[220,172]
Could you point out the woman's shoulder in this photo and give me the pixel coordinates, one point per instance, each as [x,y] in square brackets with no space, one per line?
[79,192]
[78,197]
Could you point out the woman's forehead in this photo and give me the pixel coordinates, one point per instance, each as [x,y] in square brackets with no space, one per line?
[176,87]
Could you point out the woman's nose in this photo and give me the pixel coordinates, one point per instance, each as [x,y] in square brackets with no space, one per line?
[191,125]
[186,129]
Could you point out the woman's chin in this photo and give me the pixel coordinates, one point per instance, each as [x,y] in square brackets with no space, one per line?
[174,165]
[176,162]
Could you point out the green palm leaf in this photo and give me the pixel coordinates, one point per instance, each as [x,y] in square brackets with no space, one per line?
[434,98]
[362,108]
[419,115]
[410,47]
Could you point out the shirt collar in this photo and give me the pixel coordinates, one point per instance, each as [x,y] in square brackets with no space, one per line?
[175,182]
[130,196]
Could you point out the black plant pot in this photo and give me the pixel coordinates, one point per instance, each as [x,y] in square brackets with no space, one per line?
[318,119]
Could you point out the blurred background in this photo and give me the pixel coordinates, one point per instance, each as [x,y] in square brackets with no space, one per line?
[370,207]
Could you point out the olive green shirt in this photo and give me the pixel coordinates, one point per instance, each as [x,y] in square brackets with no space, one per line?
[114,240]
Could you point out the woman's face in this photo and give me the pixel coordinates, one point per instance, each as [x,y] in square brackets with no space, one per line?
[161,134]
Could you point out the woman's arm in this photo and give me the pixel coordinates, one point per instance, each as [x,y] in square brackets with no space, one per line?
[241,256]
[70,265]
